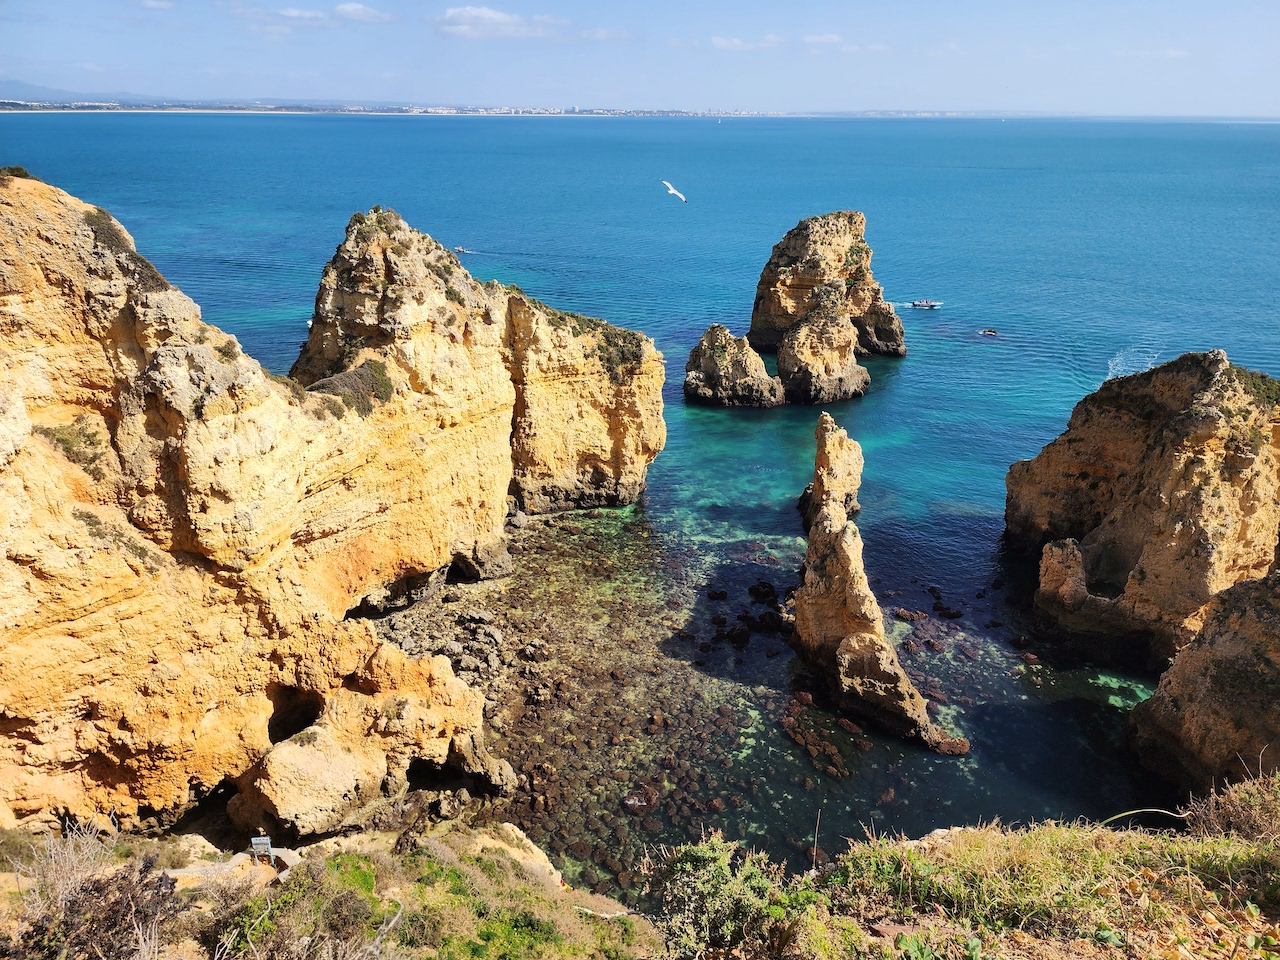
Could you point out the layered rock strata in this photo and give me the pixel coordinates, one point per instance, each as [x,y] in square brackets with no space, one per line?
[1215,716]
[724,371]
[1161,493]
[182,535]
[839,625]
[823,265]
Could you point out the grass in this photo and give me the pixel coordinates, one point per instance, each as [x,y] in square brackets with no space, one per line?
[991,891]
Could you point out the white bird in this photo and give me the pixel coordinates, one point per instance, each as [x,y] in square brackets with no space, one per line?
[671,189]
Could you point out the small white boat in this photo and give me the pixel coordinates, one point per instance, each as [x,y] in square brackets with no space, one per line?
[926,304]
[462,249]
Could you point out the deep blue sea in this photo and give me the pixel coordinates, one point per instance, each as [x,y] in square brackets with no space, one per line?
[1093,248]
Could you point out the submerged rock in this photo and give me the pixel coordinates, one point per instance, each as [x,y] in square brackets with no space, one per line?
[1216,715]
[824,264]
[1161,493]
[724,371]
[839,624]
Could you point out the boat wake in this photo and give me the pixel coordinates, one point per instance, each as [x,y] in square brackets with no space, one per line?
[1132,360]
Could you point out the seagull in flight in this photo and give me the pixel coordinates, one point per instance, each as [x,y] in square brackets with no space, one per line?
[671,189]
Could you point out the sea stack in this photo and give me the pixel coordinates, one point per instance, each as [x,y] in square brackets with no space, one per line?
[839,624]
[197,531]
[724,371]
[823,267]
[1161,493]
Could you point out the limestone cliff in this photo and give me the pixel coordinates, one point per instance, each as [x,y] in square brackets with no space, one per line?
[1161,493]
[581,399]
[181,535]
[837,472]
[1216,715]
[818,361]
[724,371]
[839,625]
[824,263]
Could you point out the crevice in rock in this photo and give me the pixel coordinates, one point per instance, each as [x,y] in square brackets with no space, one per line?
[427,775]
[293,709]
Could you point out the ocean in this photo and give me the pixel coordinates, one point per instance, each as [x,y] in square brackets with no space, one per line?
[1092,248]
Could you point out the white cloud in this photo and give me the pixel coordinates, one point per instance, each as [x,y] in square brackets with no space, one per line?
[156,4]
[735,43]
[293,13]
[358,11]
[485,23]
[822,38]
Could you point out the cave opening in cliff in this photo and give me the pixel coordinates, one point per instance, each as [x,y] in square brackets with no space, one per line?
[428,775]
[397,595]
[292,711]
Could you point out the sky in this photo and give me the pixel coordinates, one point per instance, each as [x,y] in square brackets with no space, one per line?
[1090,57]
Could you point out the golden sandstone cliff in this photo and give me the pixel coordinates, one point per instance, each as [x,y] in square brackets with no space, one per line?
[819,308]
[182,535]
[1158,518]
[839,624]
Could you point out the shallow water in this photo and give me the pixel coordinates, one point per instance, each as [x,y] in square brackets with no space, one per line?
[1093,248]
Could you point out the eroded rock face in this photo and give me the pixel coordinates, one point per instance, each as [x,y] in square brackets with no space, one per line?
[724,371]
[837,472]
[588,413]
[1216,715]
[824,264]
[181,534]
[1161,493]
[839,624]
[818,361]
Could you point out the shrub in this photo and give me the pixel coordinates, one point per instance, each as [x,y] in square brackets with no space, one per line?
[296,390]
[16,172]
[451,293]
[1264,389]
[228,350]
[108,235]
[358,388]
[79,442]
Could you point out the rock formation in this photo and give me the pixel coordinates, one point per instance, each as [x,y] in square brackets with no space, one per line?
[818,362]
[182,535]
[837,472]
[724,371]
[1216,715]
[839,625]
[824,264]
[1161,493]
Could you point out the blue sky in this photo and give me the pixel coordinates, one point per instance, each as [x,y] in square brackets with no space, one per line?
[1123,57]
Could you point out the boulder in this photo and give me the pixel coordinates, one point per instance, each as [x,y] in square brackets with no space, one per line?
[724,371]
[824,264]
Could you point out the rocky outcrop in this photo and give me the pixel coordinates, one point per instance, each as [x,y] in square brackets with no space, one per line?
[724,371]
[837,472]
[1216,715]
[182,535]
[839,625]
[588,410]
[1161,494]
[823,265]
[818,361]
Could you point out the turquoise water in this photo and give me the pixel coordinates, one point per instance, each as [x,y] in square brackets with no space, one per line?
[1094,248]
